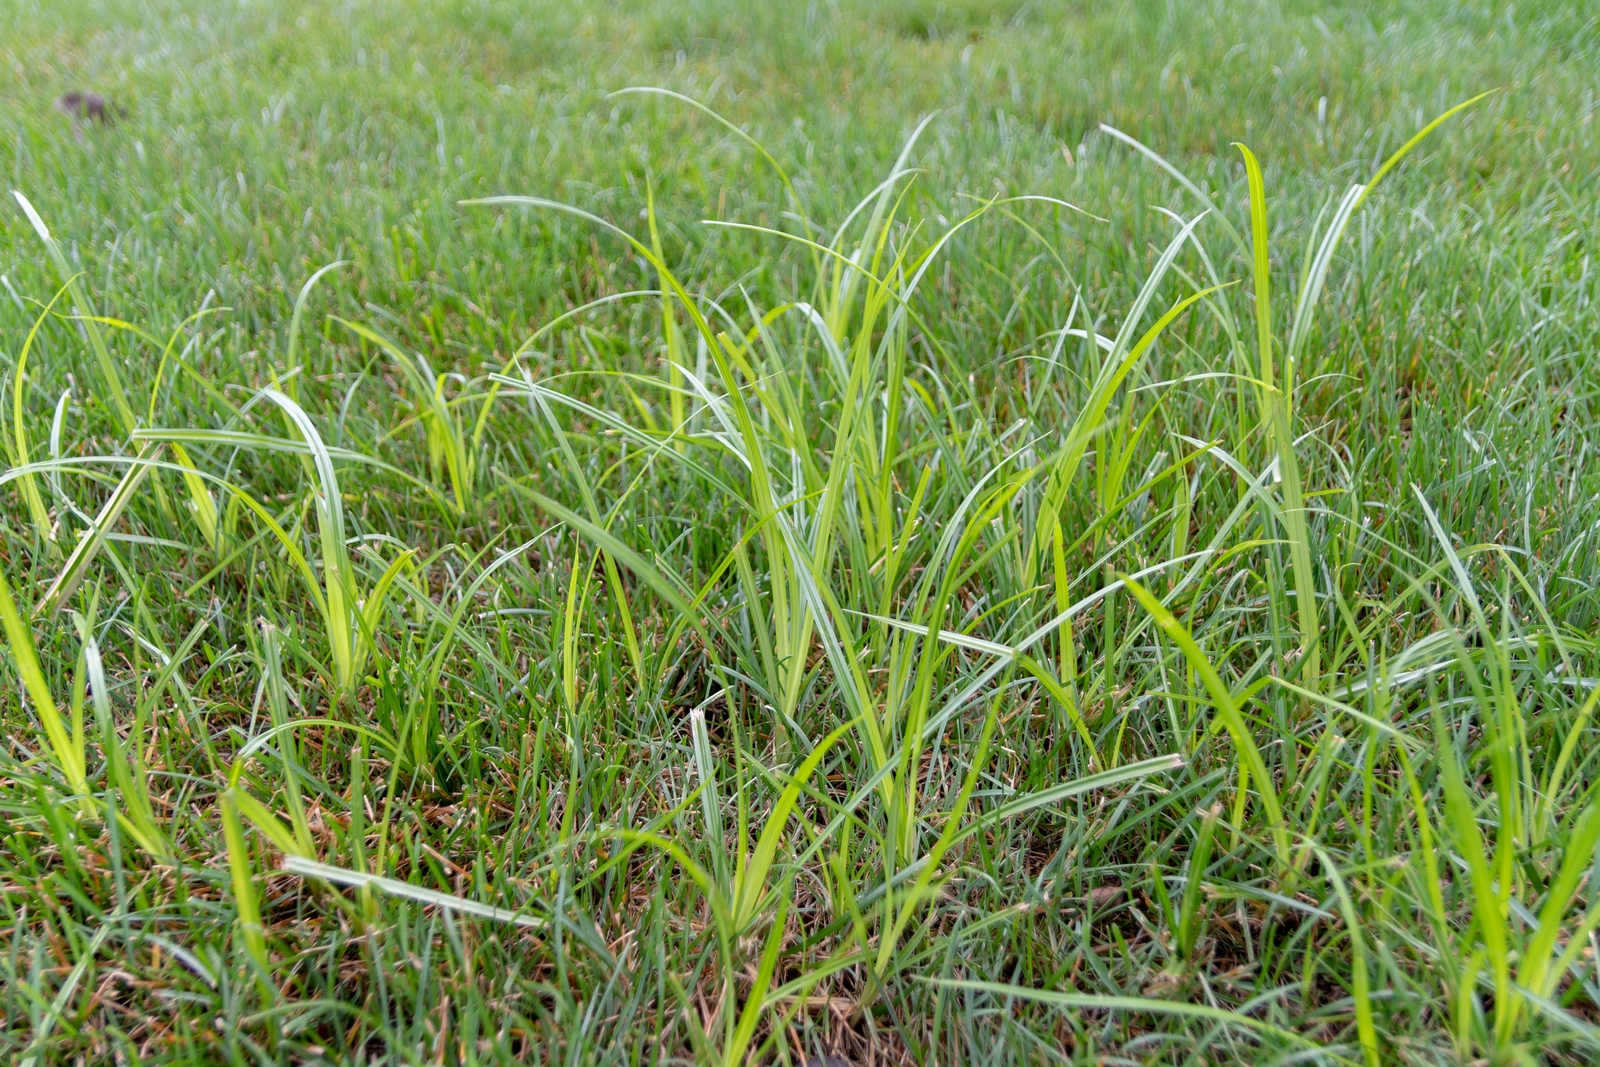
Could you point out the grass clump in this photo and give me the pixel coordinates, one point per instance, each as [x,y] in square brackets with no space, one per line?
[744,605]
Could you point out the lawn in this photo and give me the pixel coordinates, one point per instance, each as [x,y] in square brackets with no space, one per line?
[978,532]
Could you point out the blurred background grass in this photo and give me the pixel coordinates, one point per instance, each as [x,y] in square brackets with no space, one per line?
[263,140]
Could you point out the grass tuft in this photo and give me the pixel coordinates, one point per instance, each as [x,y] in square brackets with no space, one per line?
[690,533]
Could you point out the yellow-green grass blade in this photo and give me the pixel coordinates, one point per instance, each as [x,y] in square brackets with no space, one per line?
[1227,709]
[1278,400]
[30,491]
[91,541]
[69,279]
[67,750]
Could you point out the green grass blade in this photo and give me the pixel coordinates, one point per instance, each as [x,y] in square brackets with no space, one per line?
[91,541]
[1227,709]
[68,755]
[69,279]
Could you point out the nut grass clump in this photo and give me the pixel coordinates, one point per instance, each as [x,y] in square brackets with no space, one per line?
[657,587]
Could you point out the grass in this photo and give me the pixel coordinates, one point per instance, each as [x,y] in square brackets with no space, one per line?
[958,533]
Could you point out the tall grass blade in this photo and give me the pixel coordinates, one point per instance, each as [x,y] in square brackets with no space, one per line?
[1227,710]
[67,749]
[85,312]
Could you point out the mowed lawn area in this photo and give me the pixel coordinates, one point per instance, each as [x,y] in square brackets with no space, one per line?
[838,533]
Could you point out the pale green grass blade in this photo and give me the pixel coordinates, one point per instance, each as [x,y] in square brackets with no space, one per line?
[69,279]
[19,430]
[291,353]
[1145,1005]
[91,541]
[307,868]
